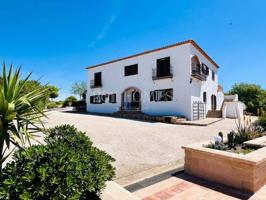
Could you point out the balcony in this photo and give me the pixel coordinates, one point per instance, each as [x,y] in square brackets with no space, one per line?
[95,84]
[199,73]
[162,75]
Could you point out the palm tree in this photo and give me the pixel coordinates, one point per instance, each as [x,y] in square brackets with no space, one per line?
[20,115]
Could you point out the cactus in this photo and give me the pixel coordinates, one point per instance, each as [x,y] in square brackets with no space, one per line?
[231,138]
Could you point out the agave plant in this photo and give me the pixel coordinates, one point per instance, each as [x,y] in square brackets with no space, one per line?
[20,115]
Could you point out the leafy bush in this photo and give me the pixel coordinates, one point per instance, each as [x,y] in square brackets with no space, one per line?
[254,96]
[79,103]
[68,167]
[51,105]
[69,101]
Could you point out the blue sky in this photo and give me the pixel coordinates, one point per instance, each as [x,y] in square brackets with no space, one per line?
[56,39]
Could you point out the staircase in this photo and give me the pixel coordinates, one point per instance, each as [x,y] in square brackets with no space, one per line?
[130,114]
[214,114]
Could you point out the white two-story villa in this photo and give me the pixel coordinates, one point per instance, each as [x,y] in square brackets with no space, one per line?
[176,80]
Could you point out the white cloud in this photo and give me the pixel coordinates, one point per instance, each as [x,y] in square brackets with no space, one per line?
[104,31]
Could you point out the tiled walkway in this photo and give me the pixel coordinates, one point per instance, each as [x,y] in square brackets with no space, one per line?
[186,187]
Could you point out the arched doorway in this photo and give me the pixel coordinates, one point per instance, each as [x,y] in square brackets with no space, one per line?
[131,99]
[195,64]
[213,102]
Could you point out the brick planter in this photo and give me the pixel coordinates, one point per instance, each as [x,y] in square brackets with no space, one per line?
[246,172]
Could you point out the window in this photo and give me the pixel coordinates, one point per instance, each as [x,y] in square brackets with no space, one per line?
[131,70]
[112,98]
[205,69]
[163,67]
[161,95]
[205,97]
[97,99]
[213,75]
[98,79]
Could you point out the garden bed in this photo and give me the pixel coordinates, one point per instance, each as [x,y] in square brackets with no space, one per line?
[239,170]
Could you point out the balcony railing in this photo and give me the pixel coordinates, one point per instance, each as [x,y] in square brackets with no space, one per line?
[156,76]
[199,73]
[94,84]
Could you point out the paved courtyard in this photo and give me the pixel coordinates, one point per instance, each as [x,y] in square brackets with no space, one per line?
[138,146]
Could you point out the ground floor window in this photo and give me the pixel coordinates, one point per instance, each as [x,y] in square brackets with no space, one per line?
[205,97]
[161,95]
[112,98]
[97,99]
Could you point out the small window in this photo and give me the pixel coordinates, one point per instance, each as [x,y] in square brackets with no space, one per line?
[131,70]
[205,69]
[98,79]
[97,99]
[205,97]
[213,75]
[161,95]
[112,98]
[163,67]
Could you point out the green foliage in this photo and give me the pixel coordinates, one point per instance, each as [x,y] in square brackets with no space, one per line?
[79,103]
[68,167]
[53,91]
[69,101]
[252,95]
[52,105]
[31,85]
[18,111]
[218,146]
[79,88]
[261,122]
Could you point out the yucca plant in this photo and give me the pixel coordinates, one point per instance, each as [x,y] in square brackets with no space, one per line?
[20,115]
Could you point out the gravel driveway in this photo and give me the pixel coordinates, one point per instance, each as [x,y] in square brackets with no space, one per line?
[138,146]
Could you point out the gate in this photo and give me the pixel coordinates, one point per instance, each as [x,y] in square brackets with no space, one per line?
[199,110]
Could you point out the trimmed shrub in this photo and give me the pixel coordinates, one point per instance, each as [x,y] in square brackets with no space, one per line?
[68,167]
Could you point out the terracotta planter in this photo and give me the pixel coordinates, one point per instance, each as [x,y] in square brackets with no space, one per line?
[246,172]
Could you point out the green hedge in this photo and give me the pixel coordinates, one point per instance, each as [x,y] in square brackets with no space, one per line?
[68,167]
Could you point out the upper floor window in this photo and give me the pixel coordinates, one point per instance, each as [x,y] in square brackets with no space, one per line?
[199,70]
[161,95]
[163,67]
[98,79]
[131,70]
[213,75]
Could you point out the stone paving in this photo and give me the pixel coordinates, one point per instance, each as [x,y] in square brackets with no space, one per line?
[186,187]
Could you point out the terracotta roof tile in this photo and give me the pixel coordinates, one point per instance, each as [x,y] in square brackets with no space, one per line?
[159,49]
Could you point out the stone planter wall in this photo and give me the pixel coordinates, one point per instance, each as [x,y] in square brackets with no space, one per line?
[246,172]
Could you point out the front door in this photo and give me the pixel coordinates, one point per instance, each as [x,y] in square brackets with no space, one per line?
[132,99]
[213,102]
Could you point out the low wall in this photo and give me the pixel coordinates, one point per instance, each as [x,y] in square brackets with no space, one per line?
[246,172]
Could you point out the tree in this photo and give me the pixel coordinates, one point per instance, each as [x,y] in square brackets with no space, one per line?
[19,110]
[252,95]
[53,90]
[79,88]
[69,101]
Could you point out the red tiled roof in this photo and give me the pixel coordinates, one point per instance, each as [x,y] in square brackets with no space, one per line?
[159,49]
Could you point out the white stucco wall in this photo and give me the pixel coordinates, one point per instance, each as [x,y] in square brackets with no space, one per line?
[184,93]
[235,109]
[197,88]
